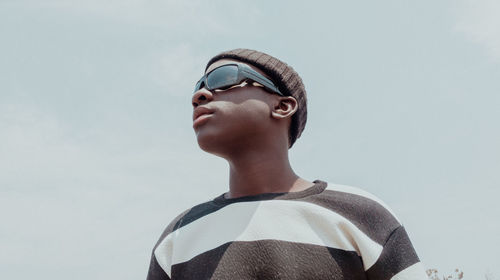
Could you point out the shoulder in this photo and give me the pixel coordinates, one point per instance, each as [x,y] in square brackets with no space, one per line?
[361,208]
[357,195]
[188,216]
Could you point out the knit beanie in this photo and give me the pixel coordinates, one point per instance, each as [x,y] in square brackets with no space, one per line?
[283,76]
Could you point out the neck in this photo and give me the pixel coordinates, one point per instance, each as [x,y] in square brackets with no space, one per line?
[258,172]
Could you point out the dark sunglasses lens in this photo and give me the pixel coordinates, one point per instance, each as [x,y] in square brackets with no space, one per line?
[198,86]
[223,77]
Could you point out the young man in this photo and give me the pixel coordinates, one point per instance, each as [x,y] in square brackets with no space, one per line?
[249,108]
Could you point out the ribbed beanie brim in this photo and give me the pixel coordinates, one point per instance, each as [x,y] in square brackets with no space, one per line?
[284,77]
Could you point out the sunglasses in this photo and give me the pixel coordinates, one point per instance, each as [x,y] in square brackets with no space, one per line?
[226,76]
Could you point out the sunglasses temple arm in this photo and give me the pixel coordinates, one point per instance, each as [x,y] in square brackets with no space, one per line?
[262,80]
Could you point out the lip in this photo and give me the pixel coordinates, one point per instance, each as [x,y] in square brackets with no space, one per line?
[201,114]
[201,119]
[198,111]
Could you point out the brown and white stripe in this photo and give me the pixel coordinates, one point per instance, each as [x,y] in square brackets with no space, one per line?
[325,232]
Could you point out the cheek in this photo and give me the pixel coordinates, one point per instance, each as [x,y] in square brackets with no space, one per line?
[249,113]
[236,120]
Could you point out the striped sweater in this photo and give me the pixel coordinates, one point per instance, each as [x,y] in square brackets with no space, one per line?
[328,231]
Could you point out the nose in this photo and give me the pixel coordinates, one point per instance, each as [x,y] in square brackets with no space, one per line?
[202,96]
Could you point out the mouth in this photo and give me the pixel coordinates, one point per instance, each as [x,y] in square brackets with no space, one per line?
[201,119]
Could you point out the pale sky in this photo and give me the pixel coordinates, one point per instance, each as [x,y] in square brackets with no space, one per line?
[97,151]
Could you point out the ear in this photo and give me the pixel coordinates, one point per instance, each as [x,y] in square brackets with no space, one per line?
[285,107]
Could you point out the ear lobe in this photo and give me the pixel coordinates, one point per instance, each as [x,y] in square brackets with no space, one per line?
[286,107]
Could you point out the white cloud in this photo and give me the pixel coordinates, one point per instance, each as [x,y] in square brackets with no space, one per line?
[479,21]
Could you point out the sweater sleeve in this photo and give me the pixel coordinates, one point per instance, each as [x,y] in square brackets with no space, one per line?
[155,271]
[398,260]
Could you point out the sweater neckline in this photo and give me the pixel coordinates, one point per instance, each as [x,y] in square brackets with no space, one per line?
[318,187]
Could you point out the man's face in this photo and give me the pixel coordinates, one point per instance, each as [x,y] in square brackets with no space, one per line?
[234,118]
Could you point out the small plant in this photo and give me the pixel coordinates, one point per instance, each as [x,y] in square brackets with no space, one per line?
[433,274]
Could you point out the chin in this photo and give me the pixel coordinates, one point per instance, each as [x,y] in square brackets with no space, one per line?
[217,144]
[208,142]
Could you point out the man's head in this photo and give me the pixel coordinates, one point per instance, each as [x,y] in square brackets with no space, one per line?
[277,84]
